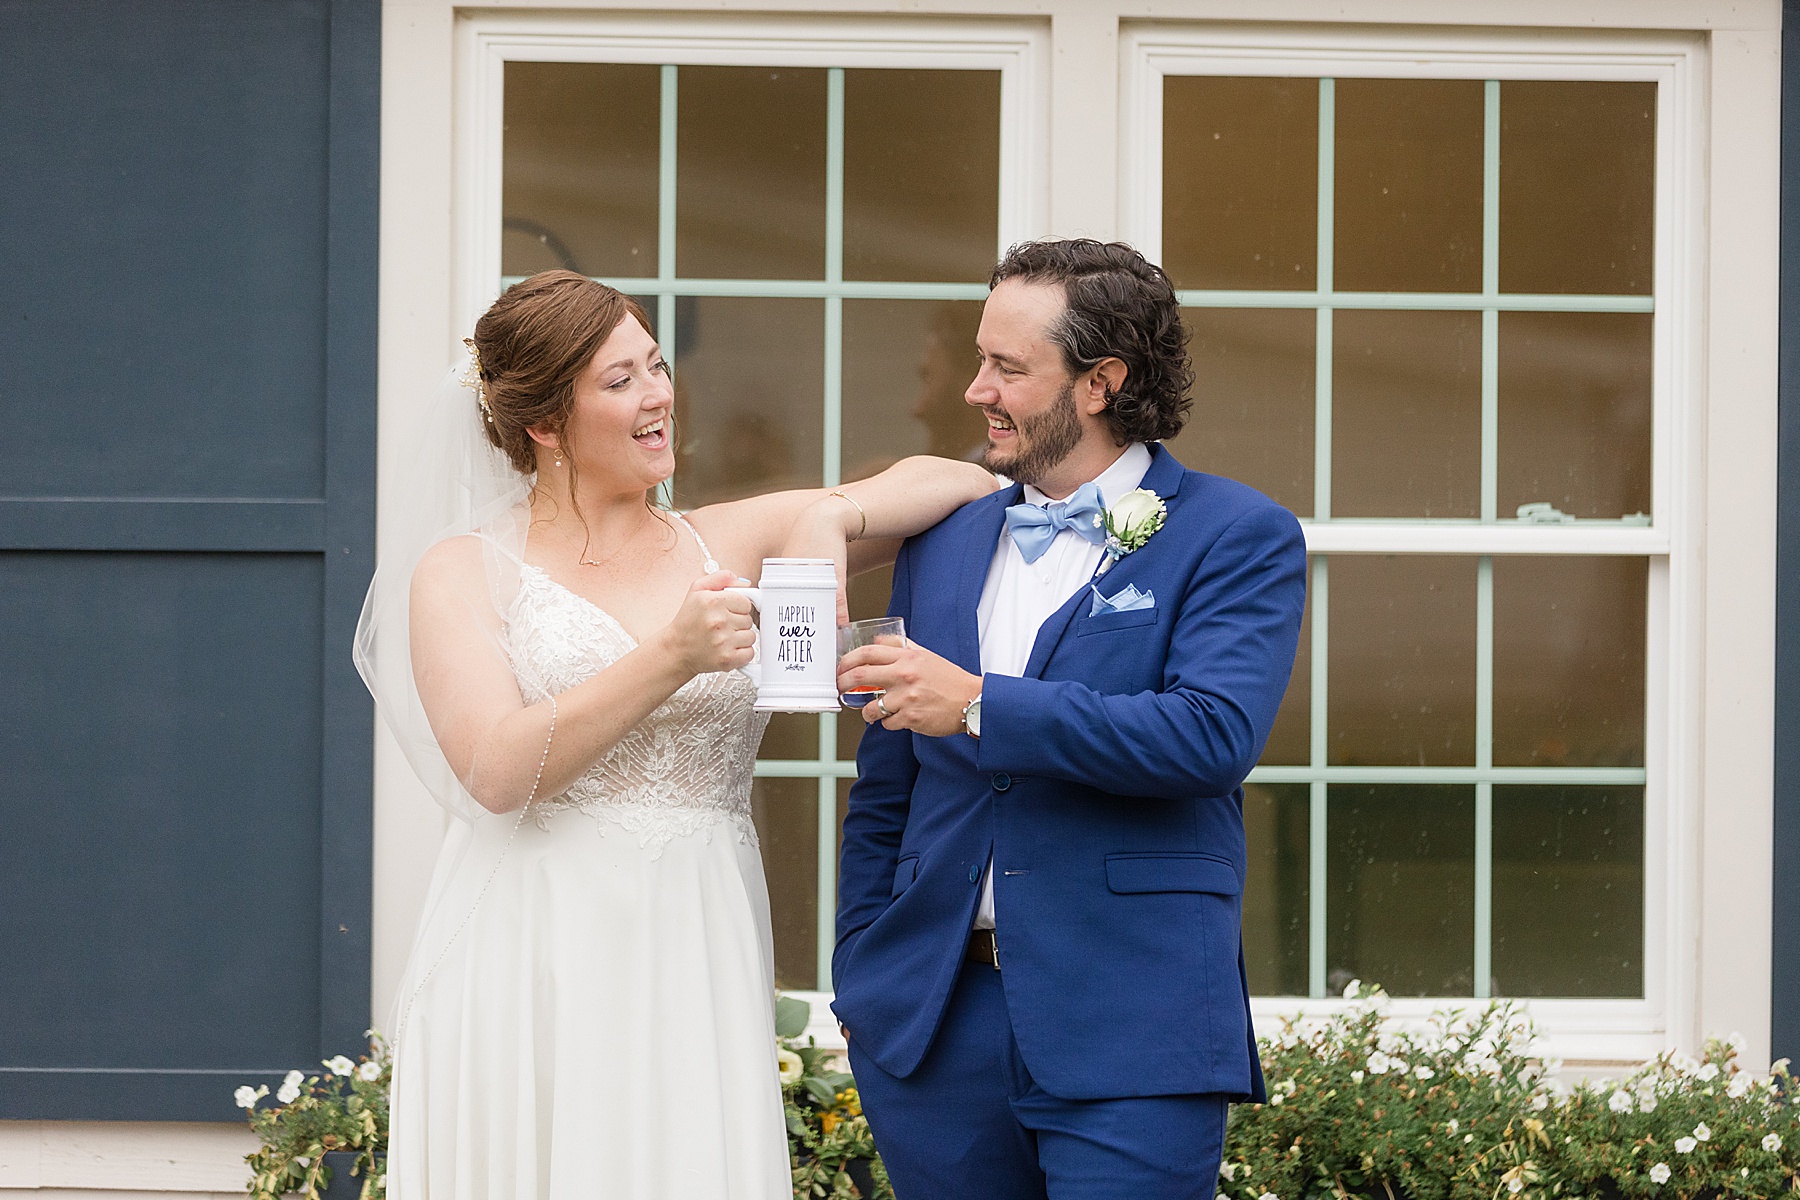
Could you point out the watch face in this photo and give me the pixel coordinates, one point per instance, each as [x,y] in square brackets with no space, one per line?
[975,717]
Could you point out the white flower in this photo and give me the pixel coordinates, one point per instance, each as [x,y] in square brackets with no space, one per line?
[1277,1098]
[1772,1143]
[369,1072]
[1379,1063]
[792,1066]
[1356,1077]
[340,1065]
[1268,1196]
[288,1093]
[1424,1072]
[1227,1171]
[1619,1102]
[247,1096]
[1398,1066]
[1702,1132]
[1129,522]
[293,1079]
[1452,1045]
[1685,1145]
[1707,1073]
[1647,1102]
[1540,1102]
[1685,1064]
[1515,1185]
[1660,1173]
[1353,989]
[1452,1125]
[1467,1138]
[1739,1087]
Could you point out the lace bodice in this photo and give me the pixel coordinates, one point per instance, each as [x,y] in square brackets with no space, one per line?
[685,768]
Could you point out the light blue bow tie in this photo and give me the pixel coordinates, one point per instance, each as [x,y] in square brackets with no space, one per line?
[1034,526]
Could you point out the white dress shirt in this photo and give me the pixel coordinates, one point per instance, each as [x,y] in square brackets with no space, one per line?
[1019,596]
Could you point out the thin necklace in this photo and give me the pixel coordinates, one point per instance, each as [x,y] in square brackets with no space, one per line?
[588,562]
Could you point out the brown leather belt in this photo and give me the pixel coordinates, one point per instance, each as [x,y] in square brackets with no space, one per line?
[982,948]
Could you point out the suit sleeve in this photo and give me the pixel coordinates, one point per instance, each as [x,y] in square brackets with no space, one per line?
[879,802]
[1230,654]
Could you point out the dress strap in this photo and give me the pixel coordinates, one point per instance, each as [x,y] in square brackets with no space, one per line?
[711,564]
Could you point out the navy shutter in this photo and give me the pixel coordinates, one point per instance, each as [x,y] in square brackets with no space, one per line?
[187,438]
[1785,998]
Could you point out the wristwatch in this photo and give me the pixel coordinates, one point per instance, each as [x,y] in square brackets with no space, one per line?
[971,717]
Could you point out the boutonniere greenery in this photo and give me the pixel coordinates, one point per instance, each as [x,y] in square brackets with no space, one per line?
[1130,521]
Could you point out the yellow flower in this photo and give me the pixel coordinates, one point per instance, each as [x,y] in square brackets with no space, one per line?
[828,1121]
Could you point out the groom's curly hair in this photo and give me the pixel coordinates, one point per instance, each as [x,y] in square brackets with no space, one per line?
[1118,305]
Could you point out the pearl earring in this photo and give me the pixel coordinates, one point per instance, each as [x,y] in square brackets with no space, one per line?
[559,456]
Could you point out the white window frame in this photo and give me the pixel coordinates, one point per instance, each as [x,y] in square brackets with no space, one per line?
[1018,50]
[1577,1030]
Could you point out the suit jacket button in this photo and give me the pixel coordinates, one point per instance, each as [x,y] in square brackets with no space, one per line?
[975,873]
[1002,781]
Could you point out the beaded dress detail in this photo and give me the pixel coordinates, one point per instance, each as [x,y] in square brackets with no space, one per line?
[685,768]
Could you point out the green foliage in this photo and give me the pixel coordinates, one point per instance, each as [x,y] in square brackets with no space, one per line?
[344,1107]
[1465,1110]
[826,1129]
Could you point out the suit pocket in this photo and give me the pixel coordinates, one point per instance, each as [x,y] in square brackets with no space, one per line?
[1134,873]
[905,871]
[1106,622]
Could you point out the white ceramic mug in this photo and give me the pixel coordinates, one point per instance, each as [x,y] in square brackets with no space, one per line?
[796,638]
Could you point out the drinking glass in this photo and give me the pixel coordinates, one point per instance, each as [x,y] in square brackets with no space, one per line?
[881,631]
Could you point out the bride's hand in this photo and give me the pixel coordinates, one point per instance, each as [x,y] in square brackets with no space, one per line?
[713,631]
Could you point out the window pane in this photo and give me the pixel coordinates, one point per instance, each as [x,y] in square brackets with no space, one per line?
[1290,741]
[750,174]
[921,174]
[1408,207]
[1568,891]
[580,168]
[1400,873]
[1577,186]
[1406,414]
[1253,400]
[786,812]
[906,365]
[1569,661]
[1276,913]
[1240,182]
[1575,412]
[1402,671]
[749,393]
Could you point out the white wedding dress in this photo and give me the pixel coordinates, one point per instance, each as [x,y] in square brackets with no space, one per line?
[588,1012]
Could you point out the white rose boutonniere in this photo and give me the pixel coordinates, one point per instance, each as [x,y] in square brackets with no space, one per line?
[1130,521]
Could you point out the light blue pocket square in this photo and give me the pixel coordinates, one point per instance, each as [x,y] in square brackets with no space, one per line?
[1127,600]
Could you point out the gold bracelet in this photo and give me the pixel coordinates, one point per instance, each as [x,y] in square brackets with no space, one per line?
[860,510]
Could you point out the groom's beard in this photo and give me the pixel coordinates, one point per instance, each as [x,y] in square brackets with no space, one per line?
[1043,441]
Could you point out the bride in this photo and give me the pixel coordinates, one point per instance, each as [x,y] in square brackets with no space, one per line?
[587,1011]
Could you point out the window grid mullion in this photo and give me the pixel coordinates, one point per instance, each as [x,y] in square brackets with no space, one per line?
[831,471]
[1484,761]
[1317,789]
[1318,793]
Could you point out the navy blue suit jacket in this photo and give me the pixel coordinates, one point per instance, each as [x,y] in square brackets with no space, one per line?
[1107,786]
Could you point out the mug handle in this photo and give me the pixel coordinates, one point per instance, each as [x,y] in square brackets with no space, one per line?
[752,670]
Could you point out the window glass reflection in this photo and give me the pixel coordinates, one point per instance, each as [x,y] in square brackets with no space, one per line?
[906,366]
[1277,817]
[748,396]
[750,173]
[1568,891]
[1402,671]
[1408,196]
[786,813]
[1290,741]
[1254,400]
[1240,182]
[1400,874]
[1575,412]
[921,174]
[579,176]
[1569,661]
[1577,186]
[1406,414]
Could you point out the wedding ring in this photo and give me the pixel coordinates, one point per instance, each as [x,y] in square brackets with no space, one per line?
[881,707]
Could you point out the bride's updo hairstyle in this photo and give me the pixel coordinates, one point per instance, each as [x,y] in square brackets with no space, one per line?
[533,344]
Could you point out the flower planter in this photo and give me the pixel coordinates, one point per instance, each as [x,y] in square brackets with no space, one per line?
[862,1174]
[344,1185]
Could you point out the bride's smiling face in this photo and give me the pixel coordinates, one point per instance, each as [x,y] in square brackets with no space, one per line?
[620,431]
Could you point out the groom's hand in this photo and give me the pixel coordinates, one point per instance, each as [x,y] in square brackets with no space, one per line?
[920,690]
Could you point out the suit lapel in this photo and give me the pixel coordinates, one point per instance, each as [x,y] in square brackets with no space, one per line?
[1164,478]
[978,556]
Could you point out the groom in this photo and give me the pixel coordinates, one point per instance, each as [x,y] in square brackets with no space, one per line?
[1038,965]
